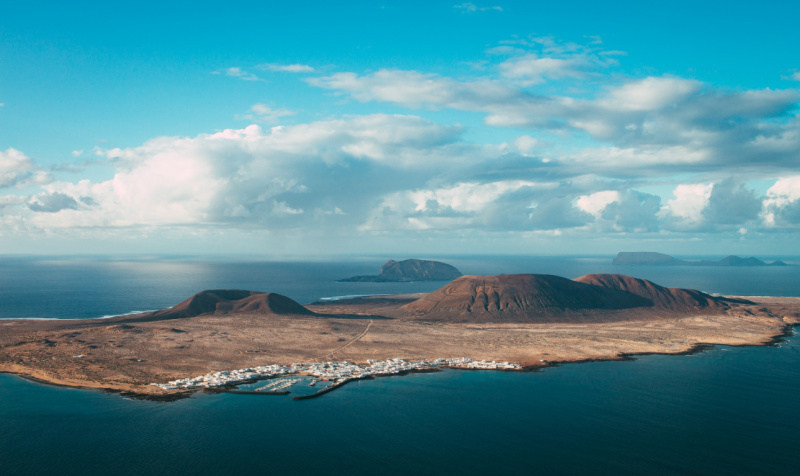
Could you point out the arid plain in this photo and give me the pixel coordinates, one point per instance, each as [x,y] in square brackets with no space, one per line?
[471,317]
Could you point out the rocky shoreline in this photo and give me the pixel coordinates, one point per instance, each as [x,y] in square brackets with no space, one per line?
[126,354]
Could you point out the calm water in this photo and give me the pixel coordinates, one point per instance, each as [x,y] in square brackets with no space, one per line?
[84,288]
[725,411]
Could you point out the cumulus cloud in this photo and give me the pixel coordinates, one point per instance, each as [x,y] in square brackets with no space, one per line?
[556,213]
[255,177]
[649,94]
[730,203]
[501,205]
[685,211]
[633,211]
[596,202]
[14,166]
[653,120]
[17,169]
[782,203]
[622,211]
[52,202]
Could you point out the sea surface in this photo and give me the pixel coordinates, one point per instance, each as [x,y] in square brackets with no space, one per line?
[722,411]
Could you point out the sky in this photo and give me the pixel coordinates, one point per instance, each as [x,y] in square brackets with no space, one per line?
[400,128]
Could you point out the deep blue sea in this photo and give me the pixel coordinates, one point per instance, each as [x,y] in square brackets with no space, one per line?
[722,411]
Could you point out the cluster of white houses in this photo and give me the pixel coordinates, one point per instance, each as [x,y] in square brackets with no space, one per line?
[337,372]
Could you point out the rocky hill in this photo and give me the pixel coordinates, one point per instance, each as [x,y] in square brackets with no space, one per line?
[225,301]
[543,298]
[673,299]
[649,258]
[410,270]
[516,298]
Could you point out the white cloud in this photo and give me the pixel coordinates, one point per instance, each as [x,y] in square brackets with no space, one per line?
[490,205]
[782,203]
[52,202]
[632,158]
[652,121]
[472,8]
[732,204]
[264,114]
[532,69]
[281,208]
[649,94]
[414,89]
[785,190]
[465,197]
[255,177]
[525,144]
[286,68]
[237,72]
[687,206]
[597,202]
[17,169]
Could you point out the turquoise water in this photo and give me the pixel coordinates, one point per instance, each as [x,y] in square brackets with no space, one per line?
[723,411]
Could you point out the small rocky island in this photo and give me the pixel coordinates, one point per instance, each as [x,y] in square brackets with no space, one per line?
[409,270]
[649,258]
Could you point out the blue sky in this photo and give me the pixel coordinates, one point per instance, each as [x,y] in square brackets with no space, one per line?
[413,127]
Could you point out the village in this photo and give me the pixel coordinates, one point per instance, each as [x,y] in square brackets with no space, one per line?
[336,372]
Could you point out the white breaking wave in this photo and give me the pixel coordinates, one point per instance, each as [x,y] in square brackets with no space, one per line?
[349,296]
[73,318]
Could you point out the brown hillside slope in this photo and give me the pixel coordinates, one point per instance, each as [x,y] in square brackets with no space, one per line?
[516,298]
[224,301]
[673,299]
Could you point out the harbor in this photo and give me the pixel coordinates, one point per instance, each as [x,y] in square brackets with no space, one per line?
[328,375]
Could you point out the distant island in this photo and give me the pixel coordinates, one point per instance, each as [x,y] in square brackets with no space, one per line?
[409,270]
[649,258]
[230,340]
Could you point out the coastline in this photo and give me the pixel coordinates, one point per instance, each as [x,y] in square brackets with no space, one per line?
[148,392]
[136,355]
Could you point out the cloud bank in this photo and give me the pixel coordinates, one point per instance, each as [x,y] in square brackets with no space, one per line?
[590,153]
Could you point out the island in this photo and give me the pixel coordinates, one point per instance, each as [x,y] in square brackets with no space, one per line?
[227,340]
[410,270]
[650,258]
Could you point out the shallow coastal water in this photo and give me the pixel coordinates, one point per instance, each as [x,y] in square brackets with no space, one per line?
[723,411]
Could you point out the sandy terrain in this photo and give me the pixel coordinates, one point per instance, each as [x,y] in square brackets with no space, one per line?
[125,354]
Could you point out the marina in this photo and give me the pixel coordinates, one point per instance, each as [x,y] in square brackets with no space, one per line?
[334,374]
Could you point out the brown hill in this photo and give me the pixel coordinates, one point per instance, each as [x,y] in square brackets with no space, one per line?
[517,298]
[673,299]
[224,301]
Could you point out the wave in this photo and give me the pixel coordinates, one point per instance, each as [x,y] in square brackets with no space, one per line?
[107,316]
[350,296]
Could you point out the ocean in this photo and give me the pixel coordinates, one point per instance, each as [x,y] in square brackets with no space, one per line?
[725,410]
